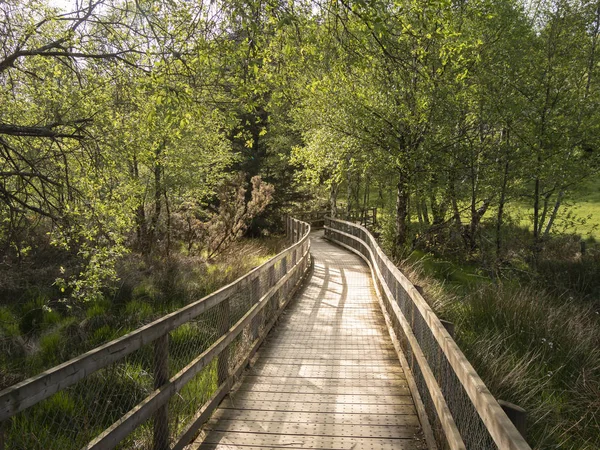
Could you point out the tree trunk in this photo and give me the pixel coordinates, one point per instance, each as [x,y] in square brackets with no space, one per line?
[554,213]
[158,191]
[333,192]
[542,219]
[348,192]
[419,213]
[424,211]
[437,210]
[500,216]
[402,195]
[536,220]
[140,211]
[167,206]
[476,217]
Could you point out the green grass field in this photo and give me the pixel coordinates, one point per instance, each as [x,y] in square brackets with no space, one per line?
[578,214]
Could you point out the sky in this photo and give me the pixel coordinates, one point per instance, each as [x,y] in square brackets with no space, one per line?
[63,4]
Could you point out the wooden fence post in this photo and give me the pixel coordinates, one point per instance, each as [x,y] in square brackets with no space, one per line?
[3,434]
[223,363]
[517,415]
[449,326]
[256,293]
[161,376]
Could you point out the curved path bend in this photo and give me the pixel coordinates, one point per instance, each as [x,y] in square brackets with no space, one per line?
[327,376]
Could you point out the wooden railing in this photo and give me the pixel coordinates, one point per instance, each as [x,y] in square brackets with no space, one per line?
[366,217]
[462,412]
[236,318]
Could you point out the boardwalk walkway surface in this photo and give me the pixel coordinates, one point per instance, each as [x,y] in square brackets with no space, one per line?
[327,377]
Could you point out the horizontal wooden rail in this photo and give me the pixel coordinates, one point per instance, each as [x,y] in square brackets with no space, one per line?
[28,393]
[501,430]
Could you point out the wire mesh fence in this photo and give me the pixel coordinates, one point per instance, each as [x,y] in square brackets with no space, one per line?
[461,411]
[153,388]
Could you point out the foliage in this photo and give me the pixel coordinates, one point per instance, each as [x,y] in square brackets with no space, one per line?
[231,218]
[129,131]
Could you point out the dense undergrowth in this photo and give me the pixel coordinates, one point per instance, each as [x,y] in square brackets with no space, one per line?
[533,335]
[39,330]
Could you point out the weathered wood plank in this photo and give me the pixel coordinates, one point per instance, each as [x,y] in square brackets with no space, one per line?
[301,397]
[324,383]
[334,389]
[292,428]
[263,440]
[318,418]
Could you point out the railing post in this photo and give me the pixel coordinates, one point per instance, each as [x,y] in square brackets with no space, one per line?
[295,228]
[256,293]
[161,376]
[3,434]
[449,326]
[516,414]
[223,363]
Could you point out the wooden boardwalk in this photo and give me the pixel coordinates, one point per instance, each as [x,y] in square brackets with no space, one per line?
[327,377]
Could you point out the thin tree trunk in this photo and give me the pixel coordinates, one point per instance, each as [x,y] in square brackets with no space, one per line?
[158,190]
[542,219]
[536,219]
[419,214]
[348,192]
[167,206]
[333,192]
[401,211]
[554,213]
[365,200]
[425,212]
[500,216]
[140,211]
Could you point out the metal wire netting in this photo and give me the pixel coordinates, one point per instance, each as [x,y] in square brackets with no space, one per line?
[73,416]
[473,431]
[79,413]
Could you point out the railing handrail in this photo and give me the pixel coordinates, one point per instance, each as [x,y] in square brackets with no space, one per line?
[501,429]
[31,391]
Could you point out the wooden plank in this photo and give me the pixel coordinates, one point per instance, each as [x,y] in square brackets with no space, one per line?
[335,389]
[340,362]
[283,353]
[318,418]
[301,397]
[341,365]
[327,372]
[308,442]
[348,408]
[329,344]
[325,382]
[293,428]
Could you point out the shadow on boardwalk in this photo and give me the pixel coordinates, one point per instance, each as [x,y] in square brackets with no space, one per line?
[327,377]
